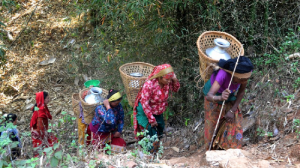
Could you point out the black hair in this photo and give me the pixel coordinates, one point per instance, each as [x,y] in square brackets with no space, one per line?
[11,117]
[45,94]
[112,92]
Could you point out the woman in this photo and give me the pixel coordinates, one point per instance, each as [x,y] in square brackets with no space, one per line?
[41,138]
[230,131]
[107,124]
[11,132]
[151,101]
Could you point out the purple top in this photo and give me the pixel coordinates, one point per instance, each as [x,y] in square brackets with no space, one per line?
[223,78]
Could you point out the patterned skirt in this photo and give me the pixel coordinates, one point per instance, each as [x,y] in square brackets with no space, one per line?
[39,143]
[229,135]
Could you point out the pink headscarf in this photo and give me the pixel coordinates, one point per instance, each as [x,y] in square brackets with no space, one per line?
[154,74]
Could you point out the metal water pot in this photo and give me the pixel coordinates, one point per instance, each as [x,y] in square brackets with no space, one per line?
[135,83]
[94,96]
[219,51]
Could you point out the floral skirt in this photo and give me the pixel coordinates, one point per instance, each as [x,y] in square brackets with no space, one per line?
[229,135]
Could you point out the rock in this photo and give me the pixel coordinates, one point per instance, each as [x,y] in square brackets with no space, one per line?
[264,164]
[236,163]
[130,164]
[176,149]
[169,129]
[186,146]
[221,157]
[247,123]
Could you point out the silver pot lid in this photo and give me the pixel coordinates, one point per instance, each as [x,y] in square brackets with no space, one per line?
[136,74]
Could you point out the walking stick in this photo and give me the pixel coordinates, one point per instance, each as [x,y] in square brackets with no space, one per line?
[214,135]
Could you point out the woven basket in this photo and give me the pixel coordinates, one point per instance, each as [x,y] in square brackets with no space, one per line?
[75,104]
[133,84]
[89,109]
[205,41]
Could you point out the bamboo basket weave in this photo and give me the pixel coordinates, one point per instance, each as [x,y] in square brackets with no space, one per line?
[205,41]
[133,84]
[89,109]
[75,104]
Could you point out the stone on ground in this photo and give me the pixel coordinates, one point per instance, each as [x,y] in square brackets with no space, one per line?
[234,158]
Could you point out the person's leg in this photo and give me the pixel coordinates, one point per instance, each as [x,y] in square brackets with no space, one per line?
[211,116]
[118,142]
[81,131]
[89,137]
[161,125]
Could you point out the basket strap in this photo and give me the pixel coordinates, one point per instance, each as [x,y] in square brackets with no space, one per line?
[200,79]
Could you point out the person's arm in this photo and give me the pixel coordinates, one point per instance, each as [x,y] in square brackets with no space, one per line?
[107,115]
[211,95]
[175,85]
[121,119]
[239,97]
[229,116]
[145,99]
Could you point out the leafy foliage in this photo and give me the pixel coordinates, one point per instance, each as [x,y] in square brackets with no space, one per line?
[160,32]
[147,144]
[2,49]
[296,126]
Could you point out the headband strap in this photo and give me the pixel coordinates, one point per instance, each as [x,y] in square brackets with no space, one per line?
[162,72]
[239,75]
[115,97]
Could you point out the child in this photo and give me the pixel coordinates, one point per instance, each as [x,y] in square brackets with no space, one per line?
[11,134]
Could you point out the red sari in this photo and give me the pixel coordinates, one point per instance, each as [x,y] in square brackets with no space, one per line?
[39,125]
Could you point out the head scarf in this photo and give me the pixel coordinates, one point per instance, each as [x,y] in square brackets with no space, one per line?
[40,110]
[244,67]
[164,70]
[113,95]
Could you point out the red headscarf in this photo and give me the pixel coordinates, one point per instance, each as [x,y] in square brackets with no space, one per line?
[155,71]
[42,112]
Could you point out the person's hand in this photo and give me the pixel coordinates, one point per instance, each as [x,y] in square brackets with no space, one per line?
[229,116]
[117,134]
[106,104]
[174,79]
[225,94]
[154,124]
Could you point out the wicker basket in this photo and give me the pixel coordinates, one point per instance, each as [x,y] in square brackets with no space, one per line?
[75,104]
[133,84]
[89,109]
[205,41]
